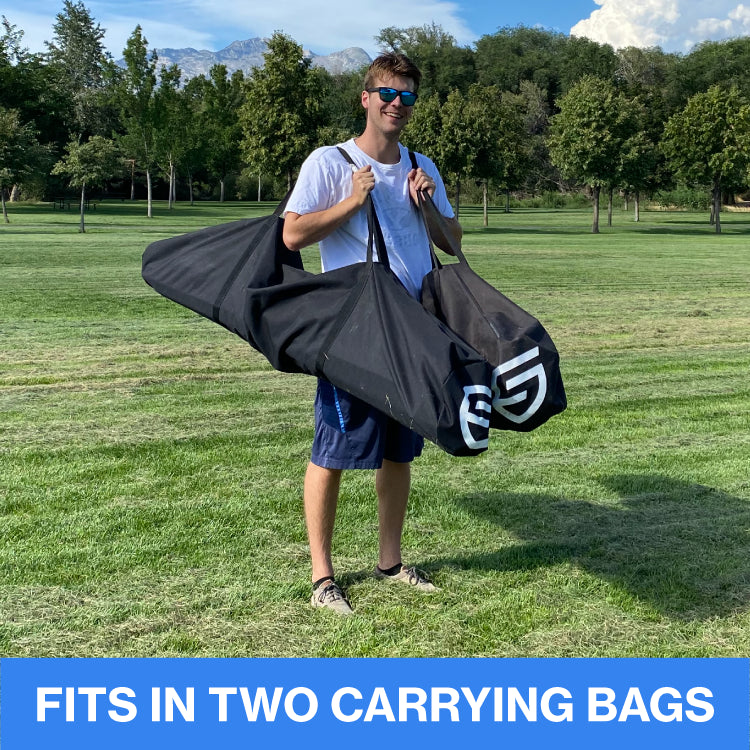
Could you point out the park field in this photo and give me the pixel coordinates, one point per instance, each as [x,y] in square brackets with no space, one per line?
[151,463]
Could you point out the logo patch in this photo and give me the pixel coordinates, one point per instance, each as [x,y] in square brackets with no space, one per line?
[502,386]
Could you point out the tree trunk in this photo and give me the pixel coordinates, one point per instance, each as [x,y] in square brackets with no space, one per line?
[484,204]
[610,197]
[83,207]
[637,201]
[717,208]
[595,225]
[170,201]
[149,197]
[15,193]
[258,188]
[626,198]
[5,208]
[190,187]
[132,179]
[221,190]
[458,196]
[507,201]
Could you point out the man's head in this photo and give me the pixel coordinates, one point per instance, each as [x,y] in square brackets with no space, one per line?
[392,65]
[390,89]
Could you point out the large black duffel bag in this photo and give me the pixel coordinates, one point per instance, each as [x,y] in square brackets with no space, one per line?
[527,387]
[355,326]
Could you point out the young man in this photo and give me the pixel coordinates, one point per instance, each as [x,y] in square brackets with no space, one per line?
[326,207]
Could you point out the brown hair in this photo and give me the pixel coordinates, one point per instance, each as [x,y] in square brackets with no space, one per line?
[389,65]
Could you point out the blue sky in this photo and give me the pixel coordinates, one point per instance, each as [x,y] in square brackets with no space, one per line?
[329,25]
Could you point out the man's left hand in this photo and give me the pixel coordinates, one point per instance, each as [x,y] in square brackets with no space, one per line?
[420,180]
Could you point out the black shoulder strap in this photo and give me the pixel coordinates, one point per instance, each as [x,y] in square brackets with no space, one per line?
[413,159]
[373,225]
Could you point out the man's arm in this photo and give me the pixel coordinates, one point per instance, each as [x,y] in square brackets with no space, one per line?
[301,230]
[445,232]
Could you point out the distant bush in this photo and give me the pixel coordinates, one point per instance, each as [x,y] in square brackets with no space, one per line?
[552,199]
[685,198]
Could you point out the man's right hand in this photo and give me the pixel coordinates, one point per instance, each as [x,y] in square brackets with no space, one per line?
[363,181]
[305,229]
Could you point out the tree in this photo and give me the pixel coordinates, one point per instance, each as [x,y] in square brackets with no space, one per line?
[137,100]
[170,125]
[515,54]
[708,143]
[281,112]
[89,164]
[81,68]
[223,97]
[20,152]
[588,134]
[476,135]
[444,65]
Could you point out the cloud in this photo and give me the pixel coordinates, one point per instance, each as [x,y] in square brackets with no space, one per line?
[673,25]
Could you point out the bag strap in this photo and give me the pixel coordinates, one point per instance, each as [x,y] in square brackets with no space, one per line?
[425,203]
[374,231]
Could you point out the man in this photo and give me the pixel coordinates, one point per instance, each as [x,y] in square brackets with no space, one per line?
[326,207]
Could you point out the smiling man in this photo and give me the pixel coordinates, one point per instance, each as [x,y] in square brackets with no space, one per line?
[327,207]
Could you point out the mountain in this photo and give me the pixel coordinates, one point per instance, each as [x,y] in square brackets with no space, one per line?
[248,54]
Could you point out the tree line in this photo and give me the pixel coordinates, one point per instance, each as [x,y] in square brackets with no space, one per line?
[523,111]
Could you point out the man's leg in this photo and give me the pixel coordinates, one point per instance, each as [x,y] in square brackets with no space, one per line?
[392,484]
[321,498]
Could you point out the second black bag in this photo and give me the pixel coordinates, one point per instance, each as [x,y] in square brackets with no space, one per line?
[527,387]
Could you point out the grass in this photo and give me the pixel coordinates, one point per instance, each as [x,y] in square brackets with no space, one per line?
[151,463]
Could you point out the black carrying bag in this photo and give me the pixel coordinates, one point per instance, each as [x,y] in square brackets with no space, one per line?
[527,387]
[356,326]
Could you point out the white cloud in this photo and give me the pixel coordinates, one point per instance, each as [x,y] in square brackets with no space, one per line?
[673,25]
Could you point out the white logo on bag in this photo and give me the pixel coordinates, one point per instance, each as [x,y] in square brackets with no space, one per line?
[501,384]
[480,400]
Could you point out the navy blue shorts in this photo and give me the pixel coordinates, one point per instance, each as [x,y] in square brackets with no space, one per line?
[350,434]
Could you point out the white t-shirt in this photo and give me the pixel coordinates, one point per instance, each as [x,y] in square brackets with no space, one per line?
[325,179]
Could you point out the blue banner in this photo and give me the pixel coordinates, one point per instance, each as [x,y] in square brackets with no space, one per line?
[436,703]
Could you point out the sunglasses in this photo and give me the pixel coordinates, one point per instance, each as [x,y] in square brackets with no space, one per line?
[388,95]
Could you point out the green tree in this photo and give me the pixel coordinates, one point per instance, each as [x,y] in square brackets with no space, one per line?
[281,112]
[20,152]
[708,143]
[28,86]
[89,164]
[223,97]
[170,126]
[588,134]
[515,54]
[137,101]
[81,69]
[444,65]
[579,56]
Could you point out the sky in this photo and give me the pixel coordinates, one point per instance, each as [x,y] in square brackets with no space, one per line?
[325,26]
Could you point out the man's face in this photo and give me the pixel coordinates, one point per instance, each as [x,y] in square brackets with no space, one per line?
[388,117]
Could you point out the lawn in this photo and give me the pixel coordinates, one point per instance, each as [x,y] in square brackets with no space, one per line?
[151,463]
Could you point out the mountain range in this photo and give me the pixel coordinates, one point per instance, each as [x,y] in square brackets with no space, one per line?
[248,54]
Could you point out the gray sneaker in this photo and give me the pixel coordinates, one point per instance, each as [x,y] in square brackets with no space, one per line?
[330,596]
[412,577]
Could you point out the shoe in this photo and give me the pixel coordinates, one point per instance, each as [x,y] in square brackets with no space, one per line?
[410,576]
[330,596]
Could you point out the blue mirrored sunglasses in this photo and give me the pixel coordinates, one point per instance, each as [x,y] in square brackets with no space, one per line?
[388,95]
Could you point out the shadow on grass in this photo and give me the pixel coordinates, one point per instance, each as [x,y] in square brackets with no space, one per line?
[682,548]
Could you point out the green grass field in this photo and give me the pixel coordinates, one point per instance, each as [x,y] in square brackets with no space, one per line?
[151,463]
